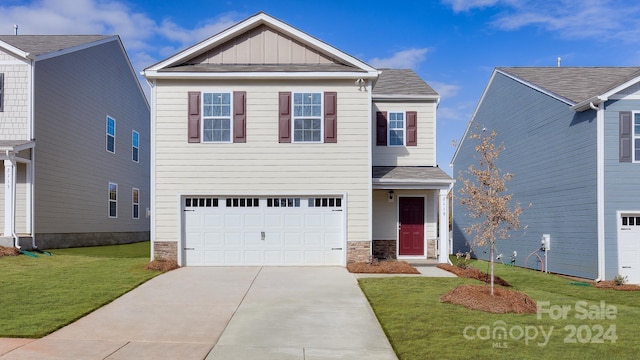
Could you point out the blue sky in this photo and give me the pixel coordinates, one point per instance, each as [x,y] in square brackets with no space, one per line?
[452,44]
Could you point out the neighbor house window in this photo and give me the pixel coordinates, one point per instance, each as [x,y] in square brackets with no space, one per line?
[216,115]
[111,135]
[396,128]
[135,145]
[307,117]
[1,92]
[636,137]
[135,200]
[113,200]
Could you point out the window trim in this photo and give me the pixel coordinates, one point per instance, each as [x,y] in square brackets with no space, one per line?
[110,201]
[135,203]
[111,135]
[634,136]
[205,118]
[404,128]
[135,155]
[294,117]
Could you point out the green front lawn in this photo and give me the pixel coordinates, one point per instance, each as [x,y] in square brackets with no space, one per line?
[421,327]
[41,295]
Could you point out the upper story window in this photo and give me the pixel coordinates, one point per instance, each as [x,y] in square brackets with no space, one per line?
[135,146]
[636,137]
[396,128]
[216,116]
[113,200]
[307,117]
[111,135]
[1,92]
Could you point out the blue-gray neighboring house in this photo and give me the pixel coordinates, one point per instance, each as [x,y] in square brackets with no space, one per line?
[572,138]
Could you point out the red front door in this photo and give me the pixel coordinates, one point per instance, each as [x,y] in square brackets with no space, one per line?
[411,226]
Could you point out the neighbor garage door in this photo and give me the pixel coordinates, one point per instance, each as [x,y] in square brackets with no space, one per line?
[279,230]
[629,247]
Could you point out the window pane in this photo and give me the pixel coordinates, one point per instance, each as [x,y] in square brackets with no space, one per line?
[135,139]
[111,143]
[395,137]
[113,206]
[135,196]
[111,126]
[135,211]
[637,149]
[135,154]
[113,191]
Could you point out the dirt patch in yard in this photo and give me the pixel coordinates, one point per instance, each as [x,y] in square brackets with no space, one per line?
[478,297]
[8,251]
[382,267]
[473,273]
[162,265]
[612,285]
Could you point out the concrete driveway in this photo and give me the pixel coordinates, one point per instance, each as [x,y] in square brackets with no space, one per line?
[224,313]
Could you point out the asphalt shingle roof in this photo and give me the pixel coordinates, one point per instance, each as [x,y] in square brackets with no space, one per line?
[401,82]
[43,44]
[408,173]
[575,84]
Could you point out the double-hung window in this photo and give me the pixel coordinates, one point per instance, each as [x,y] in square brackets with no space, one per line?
[135,146]
[307,117]
[111,135]
[216,115]
[396,128]
[113,200]
[636,137]
[135,200]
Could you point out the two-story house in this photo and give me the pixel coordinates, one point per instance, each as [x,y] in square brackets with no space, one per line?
[572,139]
[271,147]
[74,135]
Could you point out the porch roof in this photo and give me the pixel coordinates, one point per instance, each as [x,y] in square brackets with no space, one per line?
[415,177]
[16,145]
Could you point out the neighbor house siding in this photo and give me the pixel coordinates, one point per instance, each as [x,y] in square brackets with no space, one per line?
[74,94]
[14,119]
[261,165]
[424,154]
[620,181]
[551,150]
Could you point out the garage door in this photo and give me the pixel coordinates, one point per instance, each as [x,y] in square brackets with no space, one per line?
[629,247]
[275,230]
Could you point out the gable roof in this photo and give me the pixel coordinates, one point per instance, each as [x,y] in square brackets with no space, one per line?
[32,46]
[576,86]
[183,64]
[402,84]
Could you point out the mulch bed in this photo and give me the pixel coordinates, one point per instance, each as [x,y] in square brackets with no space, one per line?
[478,297]
[612,285]
[472,273]
[382,267]
[9,251]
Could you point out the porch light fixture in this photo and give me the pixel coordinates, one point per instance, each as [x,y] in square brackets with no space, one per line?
[391,196]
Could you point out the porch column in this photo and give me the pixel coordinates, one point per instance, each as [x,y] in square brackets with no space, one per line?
[9,196]
[443,256]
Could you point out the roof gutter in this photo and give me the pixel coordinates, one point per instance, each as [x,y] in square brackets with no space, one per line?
[589,103]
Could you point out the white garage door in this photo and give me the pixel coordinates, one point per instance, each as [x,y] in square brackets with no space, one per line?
[263,231]
[629,247]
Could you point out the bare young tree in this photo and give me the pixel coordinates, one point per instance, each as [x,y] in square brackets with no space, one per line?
[482,194]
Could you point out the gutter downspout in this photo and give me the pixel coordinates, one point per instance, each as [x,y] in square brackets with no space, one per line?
[600,187]
[32,130]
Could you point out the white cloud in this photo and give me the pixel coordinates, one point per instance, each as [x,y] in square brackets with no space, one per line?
[466,5]
[445,90]
[406,59]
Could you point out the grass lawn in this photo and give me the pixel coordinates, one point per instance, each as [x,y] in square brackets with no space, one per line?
[421,327]
[41,295]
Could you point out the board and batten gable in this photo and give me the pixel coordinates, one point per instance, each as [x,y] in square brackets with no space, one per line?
[424,152]
[74,94]
[621,178]
[551,150]
[14,117]
[261,165]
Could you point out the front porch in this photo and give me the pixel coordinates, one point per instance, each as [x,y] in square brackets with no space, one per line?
[16,199]
[410,206]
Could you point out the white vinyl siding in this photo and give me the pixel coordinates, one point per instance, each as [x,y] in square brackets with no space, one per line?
[15,98]
[113,200]
[216,117]
[262,165]
[424,154]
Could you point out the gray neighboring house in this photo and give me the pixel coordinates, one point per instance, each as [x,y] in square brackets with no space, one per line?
[74,139]
[572,138]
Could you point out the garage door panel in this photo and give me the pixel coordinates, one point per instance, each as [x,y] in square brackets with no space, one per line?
[290,231]
[629,247]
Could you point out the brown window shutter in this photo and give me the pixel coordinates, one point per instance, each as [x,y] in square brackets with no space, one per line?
[284,120]
[381,128]
[330,117]
[239,116]
[194,117]
[626,144]
[412,128]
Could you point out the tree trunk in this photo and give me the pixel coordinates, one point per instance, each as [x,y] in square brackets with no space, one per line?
[491,253]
